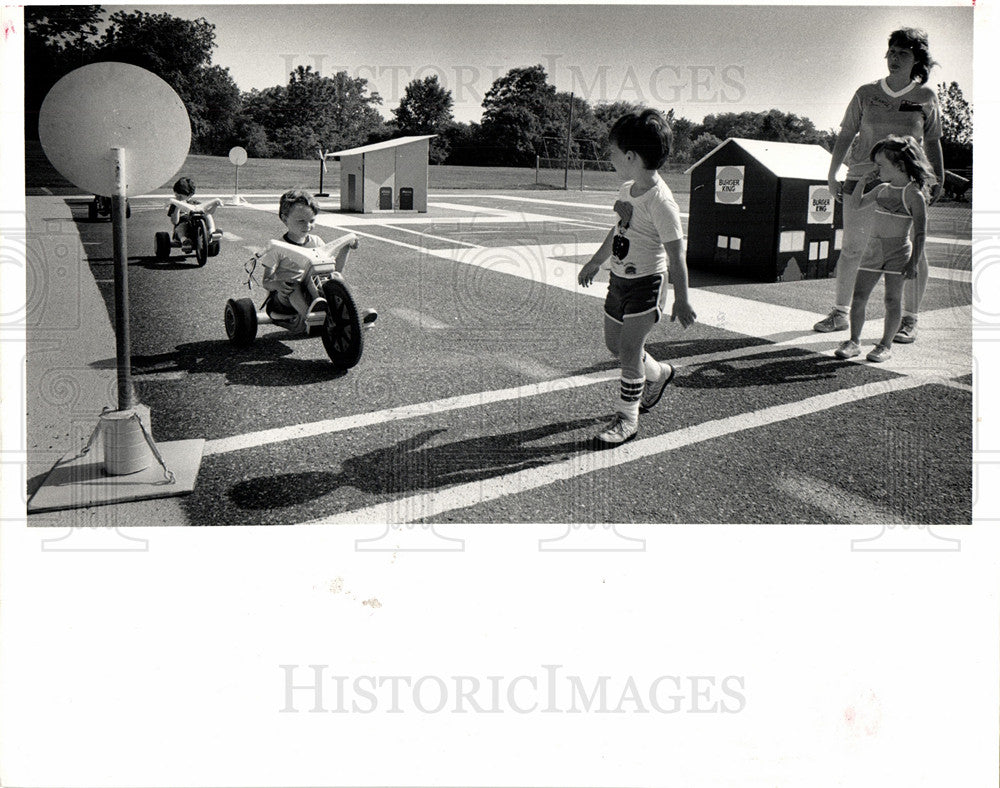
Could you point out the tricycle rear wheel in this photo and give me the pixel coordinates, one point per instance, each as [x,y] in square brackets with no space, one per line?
[162,246]
[241,321]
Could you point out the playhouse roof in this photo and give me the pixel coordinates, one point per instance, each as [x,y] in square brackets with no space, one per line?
[783,159]
[380,145]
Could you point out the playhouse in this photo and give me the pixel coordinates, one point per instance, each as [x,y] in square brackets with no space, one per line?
[763,210]
[384,176]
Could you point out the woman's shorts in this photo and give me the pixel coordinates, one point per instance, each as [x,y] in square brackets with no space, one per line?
[631,297]
[886,255]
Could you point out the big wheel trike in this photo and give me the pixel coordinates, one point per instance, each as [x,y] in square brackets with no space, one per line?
[100,208]
[203,236]
[323,303]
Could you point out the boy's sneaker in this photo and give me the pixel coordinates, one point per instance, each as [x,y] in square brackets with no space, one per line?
[879,353]
[835,321]
[652,392]
[620,429]
[907,331]
[848,349]
[278,311]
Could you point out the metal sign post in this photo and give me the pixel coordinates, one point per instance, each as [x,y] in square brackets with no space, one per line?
[238,156]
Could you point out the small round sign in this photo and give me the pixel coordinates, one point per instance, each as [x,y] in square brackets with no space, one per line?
[820,205]
[97,108]
[729,185]
[238,156]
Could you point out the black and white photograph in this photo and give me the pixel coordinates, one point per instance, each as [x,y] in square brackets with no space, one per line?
[593,395]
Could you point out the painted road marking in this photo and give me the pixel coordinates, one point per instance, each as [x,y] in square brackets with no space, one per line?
[925,375]
[610,211]
[840,505]
[461,496]
[418,319]
[948,354]
[390,226]
[296,431]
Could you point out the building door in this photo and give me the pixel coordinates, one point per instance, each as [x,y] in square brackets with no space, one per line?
[352,191]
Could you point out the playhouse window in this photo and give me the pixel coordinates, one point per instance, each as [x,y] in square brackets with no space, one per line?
[792,241]
[838,239]
[819,250]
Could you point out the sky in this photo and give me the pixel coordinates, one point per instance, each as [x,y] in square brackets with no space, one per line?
[695,59]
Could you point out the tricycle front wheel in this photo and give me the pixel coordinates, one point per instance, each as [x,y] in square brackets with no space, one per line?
[200,243]
[342,335]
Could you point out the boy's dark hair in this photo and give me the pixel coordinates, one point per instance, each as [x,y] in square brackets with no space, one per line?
[296,197]
[647,133]
[916,41]
[184,186]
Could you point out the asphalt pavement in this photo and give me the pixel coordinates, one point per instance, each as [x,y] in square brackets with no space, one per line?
[485,378]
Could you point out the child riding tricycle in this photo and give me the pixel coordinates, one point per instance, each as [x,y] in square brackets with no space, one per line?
[310,281]
[194,227]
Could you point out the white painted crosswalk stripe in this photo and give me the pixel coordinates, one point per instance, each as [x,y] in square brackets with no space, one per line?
[434,503]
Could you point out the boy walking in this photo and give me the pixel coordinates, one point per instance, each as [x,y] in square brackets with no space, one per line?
[646,243]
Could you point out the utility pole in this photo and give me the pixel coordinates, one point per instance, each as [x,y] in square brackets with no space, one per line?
[569,141]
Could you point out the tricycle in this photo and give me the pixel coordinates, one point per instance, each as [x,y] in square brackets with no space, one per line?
[100,208]
[202,235]
[325,305]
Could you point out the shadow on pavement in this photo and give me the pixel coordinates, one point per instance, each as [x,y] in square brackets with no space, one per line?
[411,465]
[268,362]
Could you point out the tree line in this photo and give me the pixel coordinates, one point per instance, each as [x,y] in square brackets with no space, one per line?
[524,116]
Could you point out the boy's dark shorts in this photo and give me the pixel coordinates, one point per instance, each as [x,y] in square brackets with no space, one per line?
[627,297]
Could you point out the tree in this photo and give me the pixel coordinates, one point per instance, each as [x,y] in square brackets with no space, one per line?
[58,39]
[314,111]
[426,109]
[462,142]
[956,114]
[515,113]
[704,144]
[167,46]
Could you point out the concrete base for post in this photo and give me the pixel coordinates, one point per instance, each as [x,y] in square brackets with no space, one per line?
[93,477]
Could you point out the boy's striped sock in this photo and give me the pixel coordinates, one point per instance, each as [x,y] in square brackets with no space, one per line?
[631,395]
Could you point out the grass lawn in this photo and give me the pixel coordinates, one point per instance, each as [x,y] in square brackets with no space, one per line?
[214,174]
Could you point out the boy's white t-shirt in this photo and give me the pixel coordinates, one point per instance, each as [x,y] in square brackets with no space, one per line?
[656,220]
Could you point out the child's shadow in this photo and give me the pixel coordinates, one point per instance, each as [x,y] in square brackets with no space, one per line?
[763,369]
[411,465]
[267,362]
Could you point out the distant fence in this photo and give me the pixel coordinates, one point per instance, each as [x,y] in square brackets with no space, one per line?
[579,174]
[587,173]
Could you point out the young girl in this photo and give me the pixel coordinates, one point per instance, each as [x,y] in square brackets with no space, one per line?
[647,240]
[900,207]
